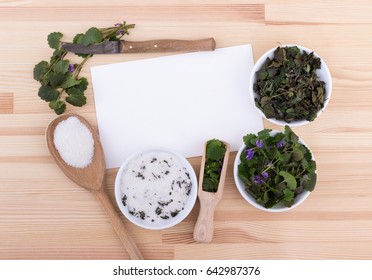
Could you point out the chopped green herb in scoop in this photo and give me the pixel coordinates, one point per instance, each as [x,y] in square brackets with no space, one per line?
[215,153]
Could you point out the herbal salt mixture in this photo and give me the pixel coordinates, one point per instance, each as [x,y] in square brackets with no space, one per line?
[155,187]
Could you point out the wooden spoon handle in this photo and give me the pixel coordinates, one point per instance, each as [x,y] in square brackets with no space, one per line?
[118,225]
[203,231]
[165,45]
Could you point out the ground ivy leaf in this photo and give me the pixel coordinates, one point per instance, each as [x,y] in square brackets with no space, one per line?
[70,81]
[48,93]
[289,179]
[74,91]
[297,154]
[215,150]
[309,181]
[78,38]
[92,36]
[83,85]
[288,195]
[61,66]
[40,70]
[76,99]
[56,79]
[58,106]
[54,39]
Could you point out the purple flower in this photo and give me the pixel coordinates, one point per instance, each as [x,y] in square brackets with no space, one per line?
[119,32]
[259,143]
[249,153]
[71,68]
[258,180]
[265,175]
[117,24]
[280,144]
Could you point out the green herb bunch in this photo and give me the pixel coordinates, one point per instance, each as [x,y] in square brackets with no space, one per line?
[288,87]
[215,153]
[276,168]
[59,78]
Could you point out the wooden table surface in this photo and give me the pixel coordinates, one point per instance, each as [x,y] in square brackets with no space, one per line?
[43,215]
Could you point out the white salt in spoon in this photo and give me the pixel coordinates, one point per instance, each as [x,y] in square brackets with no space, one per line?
[203,231]
[92,179]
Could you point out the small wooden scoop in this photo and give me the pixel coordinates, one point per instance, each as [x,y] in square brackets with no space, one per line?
[92,178]
[203,231]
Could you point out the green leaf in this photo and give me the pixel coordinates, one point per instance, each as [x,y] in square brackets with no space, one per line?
[54,39]
[83,85]
[249,139]
[215,150]
[58,106]
[297,154]
[48,93]
[61,66]
[40,70]
[78,38]
[70,81]
[92,36]
[288,195]
[289,179]
[76,99]
[309,181]
[264,134]
[56,79]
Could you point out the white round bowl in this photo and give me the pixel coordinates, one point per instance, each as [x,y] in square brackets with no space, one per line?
[163,223]
[241,186]
[323,73]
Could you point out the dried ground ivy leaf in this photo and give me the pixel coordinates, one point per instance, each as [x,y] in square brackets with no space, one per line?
[288,87]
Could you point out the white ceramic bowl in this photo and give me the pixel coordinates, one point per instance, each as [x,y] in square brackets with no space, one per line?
[323,74]
[241,186]
[155,189]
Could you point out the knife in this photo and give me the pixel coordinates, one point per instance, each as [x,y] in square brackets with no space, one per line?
[121,46]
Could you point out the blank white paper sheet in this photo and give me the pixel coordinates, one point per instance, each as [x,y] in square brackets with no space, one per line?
[176,102]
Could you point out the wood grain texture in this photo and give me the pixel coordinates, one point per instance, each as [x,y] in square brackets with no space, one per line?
[43,215]
[6,103]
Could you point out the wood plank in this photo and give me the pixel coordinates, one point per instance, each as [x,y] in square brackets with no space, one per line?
[318,12]
[6,102]
[231,12]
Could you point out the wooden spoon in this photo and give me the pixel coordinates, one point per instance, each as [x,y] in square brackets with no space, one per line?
[203,231]
[92,178]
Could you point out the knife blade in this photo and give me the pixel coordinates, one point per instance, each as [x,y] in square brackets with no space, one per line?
[163,45]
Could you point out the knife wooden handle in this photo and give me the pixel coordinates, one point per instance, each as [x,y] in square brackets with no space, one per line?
[165,45]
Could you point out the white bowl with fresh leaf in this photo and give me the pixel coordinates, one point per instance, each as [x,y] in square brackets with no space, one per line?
[274,171]
[290,85]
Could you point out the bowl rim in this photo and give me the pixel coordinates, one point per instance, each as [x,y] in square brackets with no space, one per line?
[324,69]
[169,222]
[241,186]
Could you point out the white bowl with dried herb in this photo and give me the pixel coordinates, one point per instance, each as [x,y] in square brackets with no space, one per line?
[156,188]
[274,171]
[290,85]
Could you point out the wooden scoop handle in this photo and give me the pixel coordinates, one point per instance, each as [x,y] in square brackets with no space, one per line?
[118,225]
[203,231]
[165,45]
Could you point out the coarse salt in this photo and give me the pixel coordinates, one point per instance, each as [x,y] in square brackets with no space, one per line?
[155,187]
[74,142]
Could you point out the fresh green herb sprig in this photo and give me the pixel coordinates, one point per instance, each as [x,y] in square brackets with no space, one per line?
[288,87]
[59,78]
[215,153]
[276,168]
